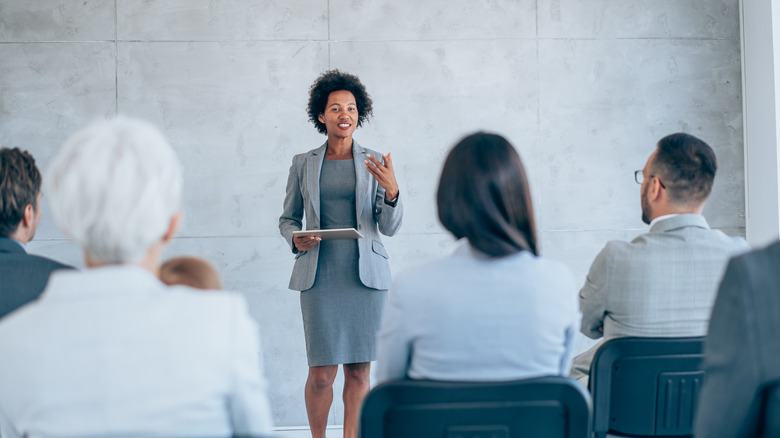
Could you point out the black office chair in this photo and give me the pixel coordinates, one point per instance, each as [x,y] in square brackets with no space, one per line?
[542,407]
[646,386]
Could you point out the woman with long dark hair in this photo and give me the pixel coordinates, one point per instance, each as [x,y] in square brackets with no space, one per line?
[493,310]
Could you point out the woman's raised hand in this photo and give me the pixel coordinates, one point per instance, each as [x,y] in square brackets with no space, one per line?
[384,174]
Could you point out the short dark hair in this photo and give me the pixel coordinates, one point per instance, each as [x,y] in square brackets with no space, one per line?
[687,167]
[484,196]
[20,183]
[334,80]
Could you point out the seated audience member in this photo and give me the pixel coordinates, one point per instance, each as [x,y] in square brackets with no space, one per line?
[22,276]
[662,283]
[111,351]
[742,347]
[190,271]
[493,310]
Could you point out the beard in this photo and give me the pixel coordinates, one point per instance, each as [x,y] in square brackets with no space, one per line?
[645,207]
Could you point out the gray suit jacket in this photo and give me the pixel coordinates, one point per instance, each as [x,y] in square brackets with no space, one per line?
[661,284]
[373,216]
[22,276]
[742,349]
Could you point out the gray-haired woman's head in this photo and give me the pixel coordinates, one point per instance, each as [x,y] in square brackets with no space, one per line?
[114,187]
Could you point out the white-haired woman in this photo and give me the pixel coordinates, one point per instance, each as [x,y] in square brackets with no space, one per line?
[111,350]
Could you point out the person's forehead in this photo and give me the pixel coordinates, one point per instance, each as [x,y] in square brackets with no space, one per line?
[341,97]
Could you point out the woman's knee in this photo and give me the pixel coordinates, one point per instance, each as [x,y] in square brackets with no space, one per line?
[322,377]
[357,371]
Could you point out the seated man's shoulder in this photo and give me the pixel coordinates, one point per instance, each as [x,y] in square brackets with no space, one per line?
[643,247]
[32,260]
[48,263]
[687,237]
[619,248]
[718,236]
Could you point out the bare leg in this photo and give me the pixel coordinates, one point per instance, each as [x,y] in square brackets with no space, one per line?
[319,396]
[356,386]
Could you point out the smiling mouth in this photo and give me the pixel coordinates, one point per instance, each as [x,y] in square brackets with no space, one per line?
[344,125]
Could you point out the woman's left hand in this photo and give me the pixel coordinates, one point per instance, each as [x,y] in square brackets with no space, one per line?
[383,172]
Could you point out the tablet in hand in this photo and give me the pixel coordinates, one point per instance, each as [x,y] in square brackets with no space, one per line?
[335,233]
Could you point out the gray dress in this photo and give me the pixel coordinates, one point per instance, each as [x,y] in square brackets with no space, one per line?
[340,314]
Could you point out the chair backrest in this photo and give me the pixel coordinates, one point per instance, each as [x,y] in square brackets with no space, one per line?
[541,407]
[646,386]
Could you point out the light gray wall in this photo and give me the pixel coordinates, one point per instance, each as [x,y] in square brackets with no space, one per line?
[584,89]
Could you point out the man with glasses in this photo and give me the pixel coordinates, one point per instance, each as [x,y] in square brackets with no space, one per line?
[662,283]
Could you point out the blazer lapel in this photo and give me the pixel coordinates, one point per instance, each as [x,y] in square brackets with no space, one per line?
[313,170]
[362,177]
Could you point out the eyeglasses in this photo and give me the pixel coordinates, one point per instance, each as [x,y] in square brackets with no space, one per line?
[639,177]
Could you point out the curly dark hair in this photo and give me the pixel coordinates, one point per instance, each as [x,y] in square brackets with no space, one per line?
[334,80]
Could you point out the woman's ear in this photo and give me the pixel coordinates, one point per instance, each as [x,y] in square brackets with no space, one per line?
[321,118]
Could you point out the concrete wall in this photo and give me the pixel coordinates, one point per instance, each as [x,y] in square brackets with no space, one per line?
[583,89]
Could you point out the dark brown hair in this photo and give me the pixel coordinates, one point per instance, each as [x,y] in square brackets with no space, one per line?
[334,80]
[20,183]
[686,166]
[483,195]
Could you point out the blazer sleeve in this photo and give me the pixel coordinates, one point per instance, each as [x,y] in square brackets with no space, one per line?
[394,344]
[593,297]
[250,410]
[387,217]
[292,211]
[729,402]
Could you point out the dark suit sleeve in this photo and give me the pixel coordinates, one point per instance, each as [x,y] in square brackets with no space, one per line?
[729,401]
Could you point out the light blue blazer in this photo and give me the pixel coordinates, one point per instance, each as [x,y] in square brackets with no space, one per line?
[470,317]
[374,216]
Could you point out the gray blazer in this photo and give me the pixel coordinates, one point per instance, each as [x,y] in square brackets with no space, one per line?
[374,215]
[742,349]
[22,276]
[661,284]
